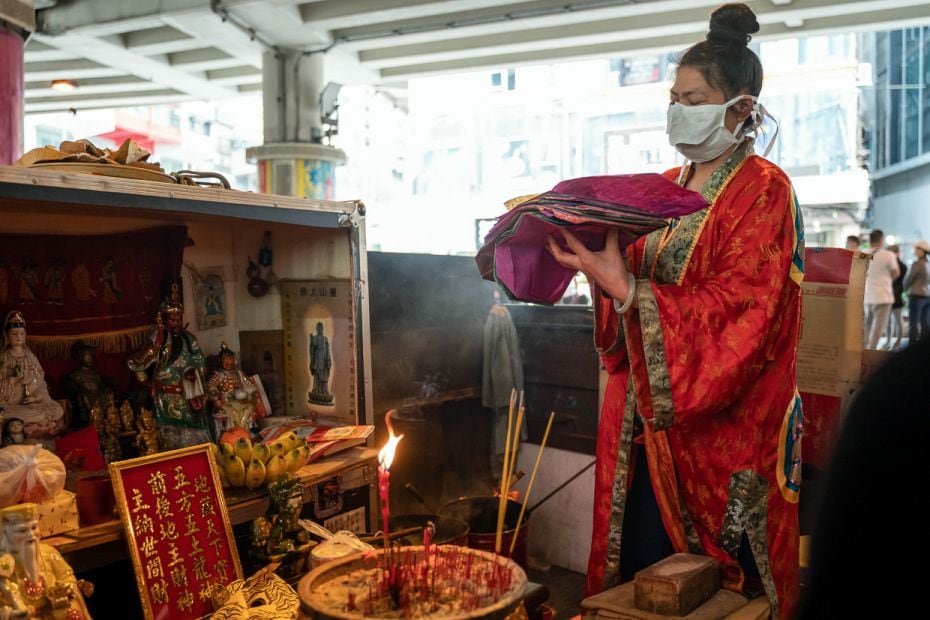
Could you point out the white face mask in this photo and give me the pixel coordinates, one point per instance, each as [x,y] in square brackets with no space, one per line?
[700,134]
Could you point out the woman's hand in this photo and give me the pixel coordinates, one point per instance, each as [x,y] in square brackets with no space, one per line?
[605,268]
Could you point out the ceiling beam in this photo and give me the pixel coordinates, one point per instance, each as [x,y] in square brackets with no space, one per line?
[39,52]
[57,104]
[102,15]
[642,27]
[331,14]
[212,31]
[202,60]
[235,76]
[161,40]
[282,25]
[67,69]
[555,37]
[899,17]
[103,52]
[116,84]
[476,23]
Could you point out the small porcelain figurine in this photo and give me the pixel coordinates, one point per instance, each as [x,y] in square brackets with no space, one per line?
[23,391]
[35,581]
[234,395]
[278,536]
[176,363]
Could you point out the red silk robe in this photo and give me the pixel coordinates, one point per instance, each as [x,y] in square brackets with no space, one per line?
[708,361]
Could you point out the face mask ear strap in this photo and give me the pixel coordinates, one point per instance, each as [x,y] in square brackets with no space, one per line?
[754,115]
[762,114]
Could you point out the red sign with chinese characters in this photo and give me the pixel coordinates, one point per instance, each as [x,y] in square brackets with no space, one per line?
[178,531]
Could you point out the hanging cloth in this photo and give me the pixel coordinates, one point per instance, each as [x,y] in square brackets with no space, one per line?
[502,373]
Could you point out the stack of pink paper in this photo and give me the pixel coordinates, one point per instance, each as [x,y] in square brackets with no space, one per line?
[514,252]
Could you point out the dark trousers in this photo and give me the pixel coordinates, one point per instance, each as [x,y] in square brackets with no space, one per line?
[918,311]
[644,541]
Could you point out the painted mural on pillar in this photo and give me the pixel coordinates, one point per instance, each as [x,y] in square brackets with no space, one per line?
[315,179]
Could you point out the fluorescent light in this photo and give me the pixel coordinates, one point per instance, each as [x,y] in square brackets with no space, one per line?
[64,84]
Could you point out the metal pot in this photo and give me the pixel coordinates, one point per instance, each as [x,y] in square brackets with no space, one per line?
[480,513]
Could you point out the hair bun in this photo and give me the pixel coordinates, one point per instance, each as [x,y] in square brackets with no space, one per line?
[733,23]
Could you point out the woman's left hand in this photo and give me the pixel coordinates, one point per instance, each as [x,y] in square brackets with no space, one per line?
[606,267]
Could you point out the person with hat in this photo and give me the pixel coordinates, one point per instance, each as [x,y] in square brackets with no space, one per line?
[917,285]
[177,363]
[35,581]
[23,391]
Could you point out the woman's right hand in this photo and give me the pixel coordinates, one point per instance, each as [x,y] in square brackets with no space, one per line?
[606,267]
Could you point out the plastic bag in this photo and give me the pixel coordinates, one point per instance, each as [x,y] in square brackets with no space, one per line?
[29,474]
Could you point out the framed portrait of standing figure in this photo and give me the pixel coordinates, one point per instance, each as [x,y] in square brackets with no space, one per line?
[319,348]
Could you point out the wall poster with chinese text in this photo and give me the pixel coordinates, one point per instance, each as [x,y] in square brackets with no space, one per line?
[177,529]
[319,348]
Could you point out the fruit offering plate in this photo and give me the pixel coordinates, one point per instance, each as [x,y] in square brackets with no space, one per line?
[446,582]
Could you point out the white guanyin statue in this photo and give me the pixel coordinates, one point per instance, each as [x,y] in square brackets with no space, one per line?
[23,391]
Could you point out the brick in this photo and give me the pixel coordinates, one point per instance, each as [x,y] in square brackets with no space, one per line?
[676,585]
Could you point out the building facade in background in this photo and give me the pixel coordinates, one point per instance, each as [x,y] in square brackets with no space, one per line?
[478,139]
[435,163]
[897,123]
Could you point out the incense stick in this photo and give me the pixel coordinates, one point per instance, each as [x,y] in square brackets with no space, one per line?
[512,457]
[500,500]
[529,486]
[514,449]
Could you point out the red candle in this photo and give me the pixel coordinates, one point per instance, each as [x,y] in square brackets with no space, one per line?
[385,458]
[384,486]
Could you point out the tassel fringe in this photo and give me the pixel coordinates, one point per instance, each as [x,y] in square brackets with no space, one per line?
[59,347]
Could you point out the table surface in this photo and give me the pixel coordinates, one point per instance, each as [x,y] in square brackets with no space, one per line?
[242,504]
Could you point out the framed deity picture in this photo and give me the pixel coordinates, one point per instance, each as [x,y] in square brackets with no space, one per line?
[177,529]
[261,353]
[319,348]
[209,297]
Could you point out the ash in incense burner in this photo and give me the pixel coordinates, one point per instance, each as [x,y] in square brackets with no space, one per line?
[447,582]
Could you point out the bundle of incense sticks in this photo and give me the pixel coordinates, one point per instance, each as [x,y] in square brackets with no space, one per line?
[510,459]
[529,486]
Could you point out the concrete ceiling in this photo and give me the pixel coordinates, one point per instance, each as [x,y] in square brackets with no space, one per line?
[137,52]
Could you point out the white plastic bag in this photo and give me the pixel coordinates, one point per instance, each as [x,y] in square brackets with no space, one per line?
[29,474]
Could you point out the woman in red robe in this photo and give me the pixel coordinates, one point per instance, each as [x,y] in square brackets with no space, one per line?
[698,329]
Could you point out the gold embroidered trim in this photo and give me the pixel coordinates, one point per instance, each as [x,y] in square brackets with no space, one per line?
[660,384]
[747,511]
[619,493]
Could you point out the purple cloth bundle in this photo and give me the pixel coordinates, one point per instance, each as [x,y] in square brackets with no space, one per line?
[514,252]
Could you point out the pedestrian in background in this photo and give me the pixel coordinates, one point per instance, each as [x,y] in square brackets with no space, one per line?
[852,243]
[895,324]
[917,285]
[878,291]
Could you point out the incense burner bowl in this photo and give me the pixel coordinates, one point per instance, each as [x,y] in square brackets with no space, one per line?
[462,584]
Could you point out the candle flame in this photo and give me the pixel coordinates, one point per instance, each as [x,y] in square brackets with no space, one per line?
[386,455]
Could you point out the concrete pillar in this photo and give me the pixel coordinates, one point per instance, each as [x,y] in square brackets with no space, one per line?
[11,94]
[293,161]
